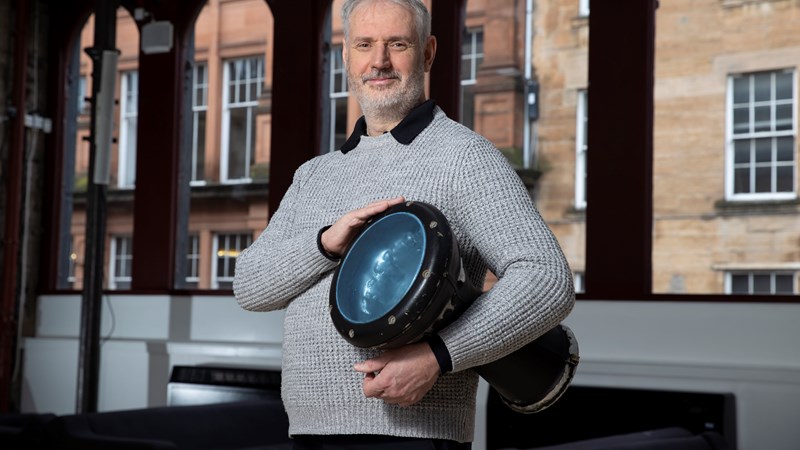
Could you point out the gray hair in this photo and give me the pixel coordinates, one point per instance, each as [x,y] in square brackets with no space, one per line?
[417,8]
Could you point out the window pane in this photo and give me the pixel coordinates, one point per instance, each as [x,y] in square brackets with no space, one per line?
[785,149]
[741,181]
[741,90]
[741,120]
[784,284]
[741,152]
[761,87]
[740,284]
[763,150]
[725,150]
[558,140]
[237,143]
[762,284]
[762,118]
[228,248]
[784,179]
[76,160]
[230,135]
[783,117]
[783,86]
[199,155]
[763,179]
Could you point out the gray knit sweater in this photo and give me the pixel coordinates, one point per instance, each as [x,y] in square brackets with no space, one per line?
[497,228]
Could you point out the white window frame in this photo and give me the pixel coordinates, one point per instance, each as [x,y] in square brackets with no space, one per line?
[473,60]
[233,253]
[229,104]
[72,263]
[583,8]
[199,106]
[772,273]
[128,110]
[581,147]
[80,102]
[193,259]
[731,138]
[579,281]
[119,244]
[338,93]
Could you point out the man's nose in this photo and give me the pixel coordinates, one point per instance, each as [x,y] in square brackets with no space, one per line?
[380,57]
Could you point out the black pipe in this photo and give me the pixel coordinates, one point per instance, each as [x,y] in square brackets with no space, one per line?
[91,306]
[11,251]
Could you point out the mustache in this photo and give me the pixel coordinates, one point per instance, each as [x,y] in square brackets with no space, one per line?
[380,74]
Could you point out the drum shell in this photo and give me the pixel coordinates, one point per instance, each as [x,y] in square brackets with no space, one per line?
[535,376]
[528,380]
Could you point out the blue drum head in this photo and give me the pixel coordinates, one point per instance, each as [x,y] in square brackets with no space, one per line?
[380,267]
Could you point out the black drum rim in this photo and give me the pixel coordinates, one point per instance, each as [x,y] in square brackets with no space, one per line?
[394,328]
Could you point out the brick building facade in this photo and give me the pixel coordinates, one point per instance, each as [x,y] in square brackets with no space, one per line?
[725,180]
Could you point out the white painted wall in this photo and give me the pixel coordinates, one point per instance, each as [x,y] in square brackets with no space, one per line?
[749,349]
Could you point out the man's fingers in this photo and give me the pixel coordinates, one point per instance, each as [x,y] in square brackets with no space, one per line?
[378,207]
[372,387]
[338,236]
[370,366]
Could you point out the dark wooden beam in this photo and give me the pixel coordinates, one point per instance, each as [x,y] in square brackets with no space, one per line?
[619,217]
[163,79]
[447,24]
[296,89]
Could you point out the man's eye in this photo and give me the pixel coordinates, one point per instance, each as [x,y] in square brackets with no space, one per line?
[398,45]
[363,46]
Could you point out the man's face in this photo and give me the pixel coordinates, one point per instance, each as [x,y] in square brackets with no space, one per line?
[385,61]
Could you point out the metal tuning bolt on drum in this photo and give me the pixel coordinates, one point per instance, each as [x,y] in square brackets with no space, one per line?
[401,279]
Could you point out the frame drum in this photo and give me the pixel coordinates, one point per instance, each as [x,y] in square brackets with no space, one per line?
[401,279]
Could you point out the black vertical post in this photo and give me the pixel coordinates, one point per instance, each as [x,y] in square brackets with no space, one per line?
[619,213]
[447,24]
[12,220]
[296,89]
[89,350]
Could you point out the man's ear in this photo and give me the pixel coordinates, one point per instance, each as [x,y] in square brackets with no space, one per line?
[344,51]
[430,52]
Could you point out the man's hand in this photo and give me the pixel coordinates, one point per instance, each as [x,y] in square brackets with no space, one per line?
[336,238]
[400,376]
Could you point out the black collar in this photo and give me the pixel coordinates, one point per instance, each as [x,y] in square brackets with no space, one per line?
[405,131]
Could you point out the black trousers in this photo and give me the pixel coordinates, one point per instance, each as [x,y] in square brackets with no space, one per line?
[376,442]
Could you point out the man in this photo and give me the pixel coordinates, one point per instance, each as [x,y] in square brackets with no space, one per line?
[404,148]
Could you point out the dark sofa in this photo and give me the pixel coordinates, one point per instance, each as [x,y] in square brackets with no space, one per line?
[260,424]
[673,438]
[23,431]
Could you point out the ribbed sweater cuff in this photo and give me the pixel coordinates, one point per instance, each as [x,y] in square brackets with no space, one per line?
[441,353]
[321,248]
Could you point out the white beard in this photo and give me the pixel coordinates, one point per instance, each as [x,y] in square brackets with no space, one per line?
[390,103]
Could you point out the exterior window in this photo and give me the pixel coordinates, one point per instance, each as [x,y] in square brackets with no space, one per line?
[578,281]
[338,97]
[72,263]
[244,79]
[771,283]
[583,8]
[761,136]
[580,150]
[471,59]
[120,260]
[126,173]
[226,248]
[80,102]
[199,108]
[193,262]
